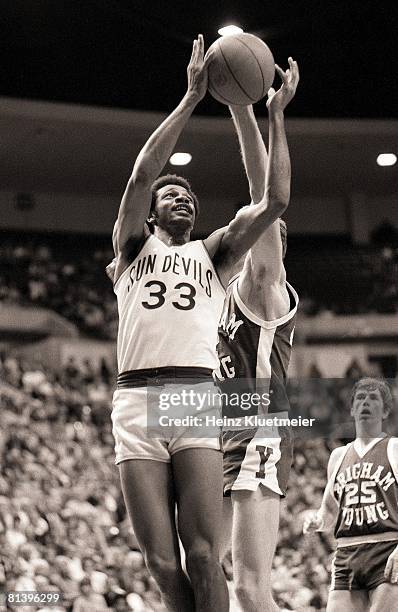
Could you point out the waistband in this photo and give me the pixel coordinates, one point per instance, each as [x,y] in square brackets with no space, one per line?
[161,376]
[369,538]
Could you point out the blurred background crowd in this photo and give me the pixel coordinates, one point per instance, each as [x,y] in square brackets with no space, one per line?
[63,525]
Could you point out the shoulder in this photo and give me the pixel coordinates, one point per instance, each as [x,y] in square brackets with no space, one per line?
[275,308]
[335,457]
[392,455]
[129,253]
[392,446]
[212,242]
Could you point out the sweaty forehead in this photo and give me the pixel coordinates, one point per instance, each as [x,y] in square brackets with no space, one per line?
[171,187]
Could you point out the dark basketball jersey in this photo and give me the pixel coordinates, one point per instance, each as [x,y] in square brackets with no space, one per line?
[366,489]
[254,354]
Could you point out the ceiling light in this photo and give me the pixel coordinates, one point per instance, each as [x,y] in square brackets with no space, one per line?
[180,159]
[386,159]
[229,30]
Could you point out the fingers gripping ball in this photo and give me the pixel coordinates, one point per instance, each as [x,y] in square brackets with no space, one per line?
[241,69]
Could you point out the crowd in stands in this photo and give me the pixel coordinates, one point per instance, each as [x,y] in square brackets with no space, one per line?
[68,276]
[344,280]
[72,282]
[63,526]
[62,523]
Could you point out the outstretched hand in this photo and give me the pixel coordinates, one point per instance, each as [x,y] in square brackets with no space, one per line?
[312,522]
[197,69]
[278,100]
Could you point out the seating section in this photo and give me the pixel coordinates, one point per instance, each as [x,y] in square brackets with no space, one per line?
[63,524]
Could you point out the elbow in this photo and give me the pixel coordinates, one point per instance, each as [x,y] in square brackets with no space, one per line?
[139,182]
[139,178]
[256,195]
[269,212]
[144,172]
[278,206]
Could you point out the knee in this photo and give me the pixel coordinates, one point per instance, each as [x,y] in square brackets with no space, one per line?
[245,593]
[252,595]
[163,569]
[202,559]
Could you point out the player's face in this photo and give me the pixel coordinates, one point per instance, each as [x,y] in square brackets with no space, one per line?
[174,205]
[368,405]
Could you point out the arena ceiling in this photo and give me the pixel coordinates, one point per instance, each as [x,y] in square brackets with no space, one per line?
[133,54]
[52,147]
[82,85]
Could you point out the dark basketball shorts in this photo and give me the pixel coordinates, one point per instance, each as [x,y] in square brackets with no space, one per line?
[360,567]
[257,456]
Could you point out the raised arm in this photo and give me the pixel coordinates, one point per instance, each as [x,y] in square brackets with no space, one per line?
[136,200]
[262,284]
[252,147]
[251,222]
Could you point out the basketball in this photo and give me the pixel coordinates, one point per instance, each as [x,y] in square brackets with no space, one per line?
[241,70]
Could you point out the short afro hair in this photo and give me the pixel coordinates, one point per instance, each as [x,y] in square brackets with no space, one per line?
[375,383]
[173,179]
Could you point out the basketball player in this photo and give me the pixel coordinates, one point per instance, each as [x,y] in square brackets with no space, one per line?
[361,502]
[170,294]
[255,340]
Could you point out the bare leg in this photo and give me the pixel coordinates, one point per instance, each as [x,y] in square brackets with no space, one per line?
[149,496]
[226,527]
[198,480]
[254,537]
[384,598]
[347,601]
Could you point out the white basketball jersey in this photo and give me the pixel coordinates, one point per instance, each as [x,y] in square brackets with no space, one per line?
[170,301]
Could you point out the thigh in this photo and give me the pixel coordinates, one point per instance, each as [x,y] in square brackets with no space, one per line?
[255,527]
[226,529]
[347,601]
[149,496]
[197,474]
[384,597]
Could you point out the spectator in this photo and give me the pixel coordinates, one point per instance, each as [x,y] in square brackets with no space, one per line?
[88,600]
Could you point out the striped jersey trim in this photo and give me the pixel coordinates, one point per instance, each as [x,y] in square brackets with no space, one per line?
[262,323]
[387,536]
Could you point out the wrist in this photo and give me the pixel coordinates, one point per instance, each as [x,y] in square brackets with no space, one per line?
[240,111]
[276,114]
[192,98]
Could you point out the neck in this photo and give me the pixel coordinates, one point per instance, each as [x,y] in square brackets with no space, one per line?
[368,431]
[177,238]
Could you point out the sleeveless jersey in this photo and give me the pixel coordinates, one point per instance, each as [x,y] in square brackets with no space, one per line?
[169,301]
[366,489]
[254,354]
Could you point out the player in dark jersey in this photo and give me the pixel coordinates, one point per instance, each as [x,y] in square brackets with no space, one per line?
[255,339]
[361,503]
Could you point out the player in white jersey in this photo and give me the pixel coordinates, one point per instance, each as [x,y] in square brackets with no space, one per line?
[170,296]
[255,344]
[361,503]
